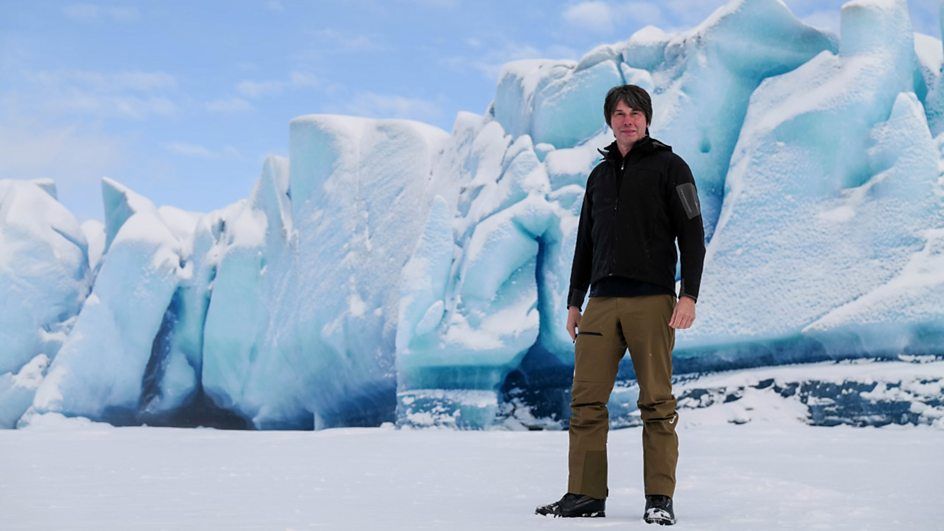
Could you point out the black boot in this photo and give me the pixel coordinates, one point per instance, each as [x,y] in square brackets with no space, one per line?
[659,510]
[574,505]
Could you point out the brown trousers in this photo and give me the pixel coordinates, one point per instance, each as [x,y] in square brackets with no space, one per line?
[608,326]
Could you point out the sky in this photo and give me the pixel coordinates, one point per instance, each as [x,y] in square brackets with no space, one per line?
[182,101]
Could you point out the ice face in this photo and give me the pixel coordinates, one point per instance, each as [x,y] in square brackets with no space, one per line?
[44,279]
[317,346]
[846,155]
[94,232]
[928,80]
[120,204]
[706,77]
[899,314]
[517,85]
[256,236]
[567,109]
[98,372]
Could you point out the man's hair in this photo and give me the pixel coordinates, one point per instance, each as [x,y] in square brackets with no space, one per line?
[633,96]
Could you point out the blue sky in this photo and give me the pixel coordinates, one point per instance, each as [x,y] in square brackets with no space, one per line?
[182,101]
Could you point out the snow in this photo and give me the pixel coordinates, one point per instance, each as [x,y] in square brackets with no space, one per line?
[48,186]
[391,271]
[120,204]
[779,476]
[181,223]
[17,390]
[855,393]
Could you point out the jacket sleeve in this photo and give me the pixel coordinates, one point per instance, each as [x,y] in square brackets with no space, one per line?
[685,211]
[583,254]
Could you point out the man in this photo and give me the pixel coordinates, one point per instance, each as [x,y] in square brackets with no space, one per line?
[639,200]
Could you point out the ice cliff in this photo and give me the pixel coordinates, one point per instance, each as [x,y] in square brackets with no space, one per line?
[391,271]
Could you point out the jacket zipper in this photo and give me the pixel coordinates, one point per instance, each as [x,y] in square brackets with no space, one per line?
[619,187]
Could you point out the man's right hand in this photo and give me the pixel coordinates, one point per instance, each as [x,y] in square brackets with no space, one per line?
[573,321]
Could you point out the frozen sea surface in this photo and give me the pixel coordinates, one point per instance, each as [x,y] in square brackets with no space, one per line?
[768,475]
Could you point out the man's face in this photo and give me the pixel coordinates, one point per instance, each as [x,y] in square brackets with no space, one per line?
[628,124]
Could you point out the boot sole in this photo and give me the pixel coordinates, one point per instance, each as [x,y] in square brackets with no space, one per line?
[660,521]
[593,514]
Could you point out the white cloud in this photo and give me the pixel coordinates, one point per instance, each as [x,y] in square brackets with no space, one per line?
[229,105]
[97,13]
[201,152]
[135,80]
[254,89]
[433,3]
[591,15]
[605,18]
[489,64]
[75,158]
[685,14]
[134,107]
[374,105]
[274,5]
[341,41]
[299,79]
[258,88]
[126,94]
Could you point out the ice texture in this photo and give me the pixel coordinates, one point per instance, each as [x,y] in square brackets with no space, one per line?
[17,390]
[43,271]
[98,373]
[844,157]
[316,345]
[44,279]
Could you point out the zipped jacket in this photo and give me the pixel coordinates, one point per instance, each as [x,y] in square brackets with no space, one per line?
[634,210]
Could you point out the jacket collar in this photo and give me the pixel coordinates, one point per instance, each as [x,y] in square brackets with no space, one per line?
[645,146]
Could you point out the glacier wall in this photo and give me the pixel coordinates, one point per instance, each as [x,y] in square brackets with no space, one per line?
[390,271]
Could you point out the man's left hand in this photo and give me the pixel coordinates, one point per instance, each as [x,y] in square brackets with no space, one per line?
[684,314]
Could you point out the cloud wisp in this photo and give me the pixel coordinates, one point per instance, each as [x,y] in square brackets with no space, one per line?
[86,12]
[125,94]
[375,105]
[229,105]
[187,149]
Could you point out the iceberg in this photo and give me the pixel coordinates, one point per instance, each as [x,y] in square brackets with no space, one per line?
[99,370]
[44,271]
[317,254]
[845,157]
[44,280]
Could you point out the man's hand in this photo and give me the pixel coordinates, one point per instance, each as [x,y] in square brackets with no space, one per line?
[684,314]
[573,321]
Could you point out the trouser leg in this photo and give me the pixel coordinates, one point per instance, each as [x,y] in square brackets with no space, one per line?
[644,322]
[597,354]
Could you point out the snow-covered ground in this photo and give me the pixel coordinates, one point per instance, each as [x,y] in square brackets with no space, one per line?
[761,475]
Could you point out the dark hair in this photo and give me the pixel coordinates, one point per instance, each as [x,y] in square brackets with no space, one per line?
[633,96]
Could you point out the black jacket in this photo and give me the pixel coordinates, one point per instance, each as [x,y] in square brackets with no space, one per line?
[633,211]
